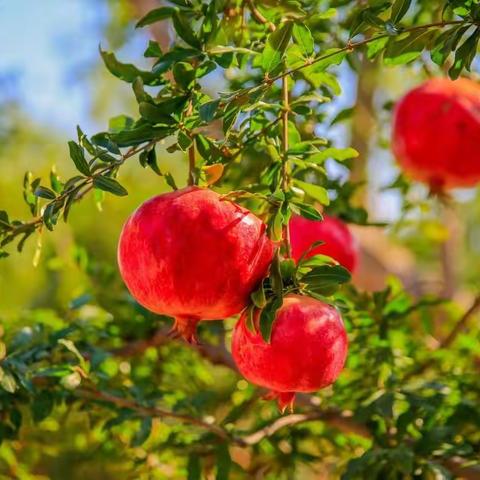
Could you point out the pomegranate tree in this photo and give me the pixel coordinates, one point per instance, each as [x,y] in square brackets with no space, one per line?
[339,243]
[435,133]
[306,352]
[193,256]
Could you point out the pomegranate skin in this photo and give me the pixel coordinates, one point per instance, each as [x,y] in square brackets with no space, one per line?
[193,256]
[339,242]
[307,349]
[436,128]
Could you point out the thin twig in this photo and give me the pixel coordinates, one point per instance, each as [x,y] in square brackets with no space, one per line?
[350,47]
[285,147]
[87,182]
[191,151]
[460,325]
[449,339]
[259,17]
[97,395]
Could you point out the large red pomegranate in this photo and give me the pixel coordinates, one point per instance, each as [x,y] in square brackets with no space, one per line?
[338,240]
[193,256]
[307,349]
[436,129]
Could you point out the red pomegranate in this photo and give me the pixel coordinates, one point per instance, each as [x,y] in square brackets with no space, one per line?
[436,128]
[193,256]
[339,242]
[307,349]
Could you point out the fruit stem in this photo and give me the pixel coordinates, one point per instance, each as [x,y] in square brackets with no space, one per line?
[285,146]
[191,151]
[191,165]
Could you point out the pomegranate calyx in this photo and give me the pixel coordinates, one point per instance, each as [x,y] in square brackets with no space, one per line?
[185,327]
[284,400]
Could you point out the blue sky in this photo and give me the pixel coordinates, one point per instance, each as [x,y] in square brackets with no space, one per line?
[46,48]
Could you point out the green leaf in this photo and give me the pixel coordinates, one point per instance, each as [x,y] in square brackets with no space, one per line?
[194,470]
[276,279]
[205,68]
[267,317]
[51,213]
[325,279]
[258,297]
[376,46]
[78,157]
[153,50]
[344,114]
[156,15]
[224,462]
[332,56]
[70,346]
[120,122]
[464,55]
[108,184]
[139,91]
[184,74]
[287,269]
[128,72]
[275,226]
[308,211]
[174,105]
[315,191]
[55,183]
[399,10]
[149,158]
[44,192]
[408,48]
[275,47]
[170,181]
[339,154]
[184,30]
[137,135]
[230,117]
[142,434]
[176,54]
[210,22]
[446,43]
[154,114]
[103,140]
[208,110]
[303,38]
[42,406]
[184,141]
[7,381]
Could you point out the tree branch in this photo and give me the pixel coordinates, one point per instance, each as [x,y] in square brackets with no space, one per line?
[461,323]
[449,339]
[455,464]
[99,396]
[332,417]
[87,182]
[285,147]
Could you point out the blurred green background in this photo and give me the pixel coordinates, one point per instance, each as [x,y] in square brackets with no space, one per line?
[51,79]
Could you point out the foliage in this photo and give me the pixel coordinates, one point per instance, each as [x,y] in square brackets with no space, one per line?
[399,410]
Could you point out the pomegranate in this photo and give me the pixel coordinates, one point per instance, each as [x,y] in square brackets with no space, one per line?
[436,128]
[307,349]
[338,241]
[193,256]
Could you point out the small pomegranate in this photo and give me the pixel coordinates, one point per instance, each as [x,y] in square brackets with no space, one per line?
[193,256]
[338,240]
[436,128]
[307,349]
